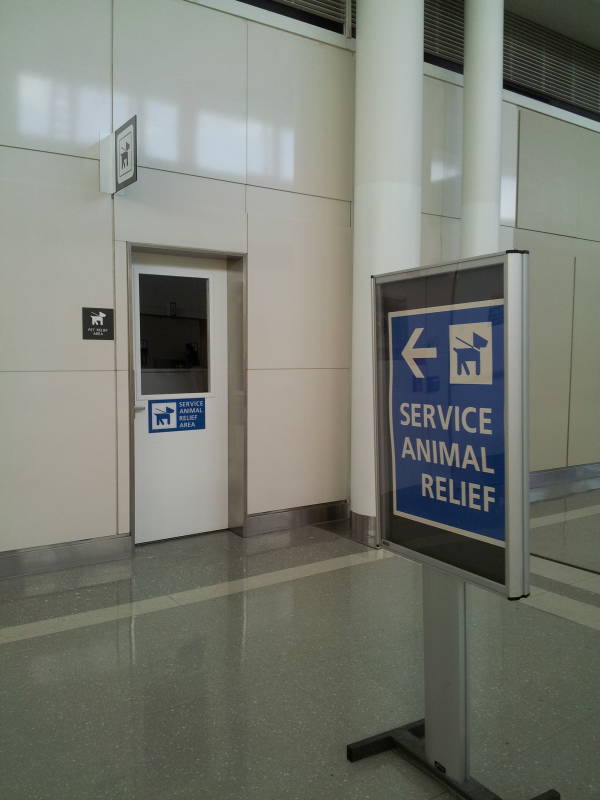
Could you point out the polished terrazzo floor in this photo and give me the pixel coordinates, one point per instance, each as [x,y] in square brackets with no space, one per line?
[230,669]
[568,529]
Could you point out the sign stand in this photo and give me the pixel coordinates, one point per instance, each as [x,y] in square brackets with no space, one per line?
[445,656]
[450,371]
[409,741]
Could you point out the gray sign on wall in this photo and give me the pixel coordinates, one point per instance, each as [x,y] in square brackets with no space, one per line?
[97,323]
[126,154]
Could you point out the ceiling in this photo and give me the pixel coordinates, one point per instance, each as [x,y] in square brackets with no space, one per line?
[578,19]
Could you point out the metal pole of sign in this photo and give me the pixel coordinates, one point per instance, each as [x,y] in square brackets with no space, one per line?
[444,596]
[445,653]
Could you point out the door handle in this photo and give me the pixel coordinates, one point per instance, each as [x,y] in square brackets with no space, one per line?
[139,408]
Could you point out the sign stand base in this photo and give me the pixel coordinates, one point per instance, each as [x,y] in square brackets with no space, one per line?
[409,740]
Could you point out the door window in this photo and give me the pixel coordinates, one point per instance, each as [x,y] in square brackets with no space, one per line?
[174,325]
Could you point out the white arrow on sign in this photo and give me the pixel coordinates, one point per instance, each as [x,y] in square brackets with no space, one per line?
[411,352]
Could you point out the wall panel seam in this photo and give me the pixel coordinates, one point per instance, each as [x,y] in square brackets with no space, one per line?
[59,371]
[302,194]
[518,173]
[239,183]
[555,233]
[49,152]
[186,174]
[247,106]
[570,398]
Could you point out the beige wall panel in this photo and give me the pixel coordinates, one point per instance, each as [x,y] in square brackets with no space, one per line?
[299,283]
[451,233]
[433,146]
[300,114]
[279,205]
[549,151]
[588,184]
[584,428]
[57,473]
[298,437]
[440,239]
[123,463]
[507,238]
[551,306]
[57,256]
[442,152]
[442,148]
[431,239]
[182,69]
[55,74]
[182,211]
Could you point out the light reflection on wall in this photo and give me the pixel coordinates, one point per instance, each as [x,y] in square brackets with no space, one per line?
[160,129]
[61,117]
[271,152]
[286,154]
[219,144]
[34,105]
[508,199]
[60,112]
[89,100]
[259,150]
[441,171]
[51,110]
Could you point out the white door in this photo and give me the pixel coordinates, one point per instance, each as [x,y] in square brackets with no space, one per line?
[180,412]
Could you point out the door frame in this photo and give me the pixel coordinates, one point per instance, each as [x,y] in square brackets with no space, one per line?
[237,368]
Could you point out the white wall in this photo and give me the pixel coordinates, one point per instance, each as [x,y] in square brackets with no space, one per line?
[559,179]
[551,284]
[584,410]
[216,122]
[55,74]
[182,70]
[559,221]
[299,326]
[245,146]
[551,167]
[57,394]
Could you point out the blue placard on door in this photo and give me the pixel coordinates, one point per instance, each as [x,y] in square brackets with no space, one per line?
[447,417]
[188,414]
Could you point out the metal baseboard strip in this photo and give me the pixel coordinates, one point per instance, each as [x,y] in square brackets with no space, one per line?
[363,529]
[553,484]
[544,485]
[285,519]
[55,557]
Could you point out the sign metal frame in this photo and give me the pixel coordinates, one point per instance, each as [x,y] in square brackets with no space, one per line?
[516,477]
[131,123]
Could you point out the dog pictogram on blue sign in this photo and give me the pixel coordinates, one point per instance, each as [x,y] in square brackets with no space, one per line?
[188,414]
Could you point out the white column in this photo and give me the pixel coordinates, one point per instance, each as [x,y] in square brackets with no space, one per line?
[387,194]
[444,597]
[482,126]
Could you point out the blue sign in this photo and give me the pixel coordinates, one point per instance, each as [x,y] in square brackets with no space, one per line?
[447,417]
[176,415]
